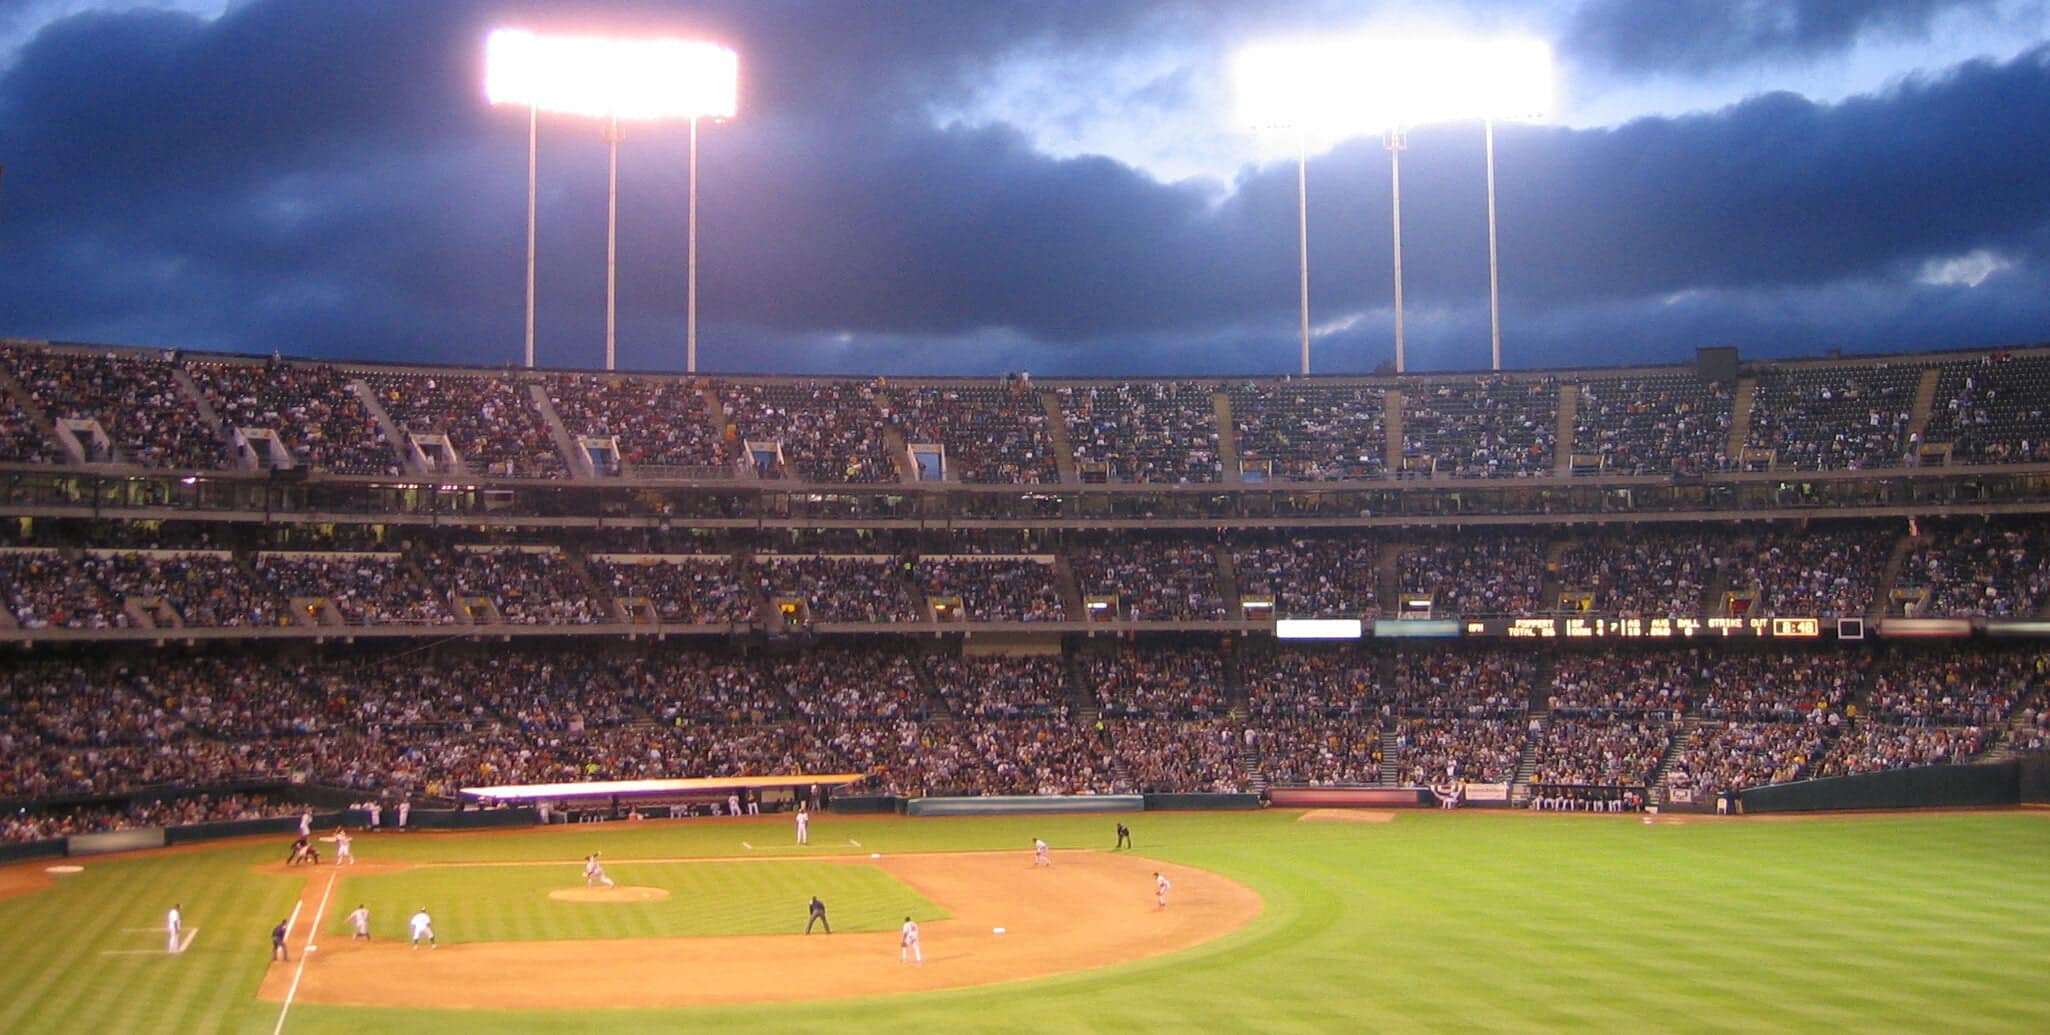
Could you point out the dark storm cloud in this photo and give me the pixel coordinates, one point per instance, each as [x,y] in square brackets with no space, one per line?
[1666,36]
[326,179]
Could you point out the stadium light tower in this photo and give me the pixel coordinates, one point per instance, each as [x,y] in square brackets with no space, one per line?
[612,79]
[1387,86]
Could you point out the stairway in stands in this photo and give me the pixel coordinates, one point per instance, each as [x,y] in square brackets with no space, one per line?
[1683,734]
[1740,421]
[1391,766]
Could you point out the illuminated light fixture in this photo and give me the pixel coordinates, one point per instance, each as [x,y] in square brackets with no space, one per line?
[613,79]
[1385,86]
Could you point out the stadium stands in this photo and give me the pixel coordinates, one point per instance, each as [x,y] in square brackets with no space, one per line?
[424,590]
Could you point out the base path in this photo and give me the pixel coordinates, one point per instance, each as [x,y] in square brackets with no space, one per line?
[1089,910]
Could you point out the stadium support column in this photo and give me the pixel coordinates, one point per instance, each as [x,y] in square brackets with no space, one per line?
[1396,141]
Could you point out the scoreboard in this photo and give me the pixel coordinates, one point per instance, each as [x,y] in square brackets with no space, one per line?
[1605,628]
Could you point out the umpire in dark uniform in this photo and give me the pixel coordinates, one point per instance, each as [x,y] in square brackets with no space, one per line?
[818,916]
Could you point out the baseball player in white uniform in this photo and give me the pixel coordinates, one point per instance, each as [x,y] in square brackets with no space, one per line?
[594,871]
[359,921]
[423,927]
[174,924]
[405,810]
[306,823]
[907,946]
[1039,856]
[1161,888]
[342,843]
[733,804]
[803,826]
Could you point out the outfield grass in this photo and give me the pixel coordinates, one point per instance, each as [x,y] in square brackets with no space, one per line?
[1468,921]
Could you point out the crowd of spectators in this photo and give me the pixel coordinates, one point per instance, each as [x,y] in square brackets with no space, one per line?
[1980,568]
[839,589]
[1152,579]
[363,588]
[1486,427]
[311,407]
[993,589]
[1475,575]
[148,419]
[21,440]
[692,590]
[1655,424]
[1148,431]
[527,587]
[1869,747]
[1437,752]
[1311,684]
[1002,686]
[1731,756]
[993,434]
[491,422]
[1316,752]
[1159,683]
[1635,685]
[1614,753]
[1643,573]
[1478,684]
[1312,576]
[153,811]
[44,591]
[1306,431]
[828,431]
[1992,410]
[655,422]
[1778,686]
[1953,688]
[1164,755]
[1834,418]
[1828,571]
[205,589]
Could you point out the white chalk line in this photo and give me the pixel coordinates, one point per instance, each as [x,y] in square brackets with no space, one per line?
[747,846]
[312,931]
[853,842]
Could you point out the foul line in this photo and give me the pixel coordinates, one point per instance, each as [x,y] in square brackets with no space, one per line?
[853,842]
[311,930]
[747,846]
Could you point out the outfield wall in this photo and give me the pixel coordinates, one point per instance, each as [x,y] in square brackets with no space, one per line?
[1024,803]
[1349,797]
[32,850]
[2034,778]
[1922,787]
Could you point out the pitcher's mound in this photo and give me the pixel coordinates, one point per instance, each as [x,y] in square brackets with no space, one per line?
[619,894]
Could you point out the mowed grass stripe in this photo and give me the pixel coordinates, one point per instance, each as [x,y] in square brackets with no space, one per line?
[512,903]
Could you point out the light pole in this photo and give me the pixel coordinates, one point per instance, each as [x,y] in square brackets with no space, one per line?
[611,79]
[612,243]
[533,136]
[1494,280]
[690,314]
[1302,235]
[1396,141]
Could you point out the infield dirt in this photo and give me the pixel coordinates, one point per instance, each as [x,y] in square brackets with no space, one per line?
[1090,909]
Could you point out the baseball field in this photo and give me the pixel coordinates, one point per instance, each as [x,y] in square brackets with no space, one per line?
[1277,921]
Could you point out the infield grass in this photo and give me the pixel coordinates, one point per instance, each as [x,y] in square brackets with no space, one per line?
[1459,922]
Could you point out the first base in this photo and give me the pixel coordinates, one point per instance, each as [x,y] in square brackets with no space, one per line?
[996,930]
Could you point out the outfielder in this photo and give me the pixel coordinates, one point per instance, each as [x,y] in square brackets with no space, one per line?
[803,826]
[174,923]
